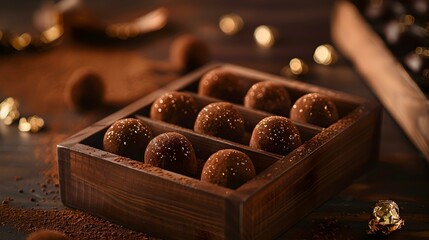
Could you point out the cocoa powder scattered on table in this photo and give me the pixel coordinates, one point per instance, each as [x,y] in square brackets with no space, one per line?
[73,223]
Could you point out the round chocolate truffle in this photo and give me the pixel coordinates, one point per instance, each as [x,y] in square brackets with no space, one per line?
[269,97]
[275,134]
[84,90]
[46,234]
[176,108]
[188,53]
[172,151]
[316,109]
[127,137]
[222,84]
[229,168]
[222,120]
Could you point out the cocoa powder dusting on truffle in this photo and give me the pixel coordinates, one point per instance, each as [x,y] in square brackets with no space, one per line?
[322,137]
[74,224]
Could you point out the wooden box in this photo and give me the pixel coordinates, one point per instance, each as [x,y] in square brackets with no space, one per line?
[169,205]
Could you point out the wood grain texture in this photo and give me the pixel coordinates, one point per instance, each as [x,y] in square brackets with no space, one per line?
[164,203]
[141,198]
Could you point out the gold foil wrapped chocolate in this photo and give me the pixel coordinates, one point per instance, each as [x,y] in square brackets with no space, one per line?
[9,110]
[385,218]
[9,113]
[31,124]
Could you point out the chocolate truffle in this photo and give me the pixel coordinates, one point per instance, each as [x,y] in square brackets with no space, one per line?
[176,108]
[229,168]
[46,234]
[222,120]
[84,90]
[188,53]
[269,97]
[127,137]
[314,108]
[275,134]
[172,151]
[222,84]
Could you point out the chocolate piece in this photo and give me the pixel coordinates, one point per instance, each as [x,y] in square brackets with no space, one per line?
[385,218]
[188,53]
[46,234]
[222,120]
[275,134]
[314,108]
[269,97]
[172,151]
[222,84]
[229,168]
[127,137]
[84,90]
[176,108]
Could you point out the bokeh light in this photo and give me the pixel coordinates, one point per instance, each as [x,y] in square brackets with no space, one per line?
[264,36]
[325,55]
[230,24]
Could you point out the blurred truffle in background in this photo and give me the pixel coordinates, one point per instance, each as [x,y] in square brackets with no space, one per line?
[46,234]
[84,90]
[188,53]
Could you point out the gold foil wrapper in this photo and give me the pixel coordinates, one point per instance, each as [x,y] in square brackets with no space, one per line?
[9,110]
[385,218]
[31,124]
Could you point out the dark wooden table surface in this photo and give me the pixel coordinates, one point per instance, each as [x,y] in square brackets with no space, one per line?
[37,80]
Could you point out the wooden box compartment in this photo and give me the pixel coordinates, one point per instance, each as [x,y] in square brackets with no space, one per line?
[170,205]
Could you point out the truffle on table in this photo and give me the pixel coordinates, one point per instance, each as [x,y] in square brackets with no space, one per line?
[222,84]
[172,151]
[176,108]
[127,137]
[188,53]
[275,134]
[314,108]
[268,96]
[84,90]
[221,120]
[46,234]
[229,168]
